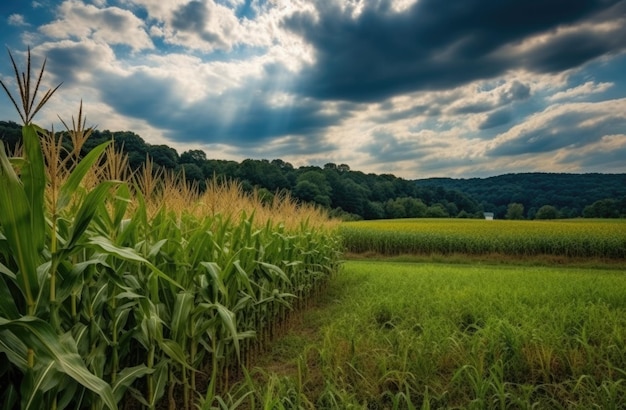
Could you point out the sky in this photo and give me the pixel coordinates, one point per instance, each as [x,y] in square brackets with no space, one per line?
[414,88]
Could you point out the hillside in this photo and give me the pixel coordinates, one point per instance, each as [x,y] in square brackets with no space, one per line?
[569,193]
[351,194]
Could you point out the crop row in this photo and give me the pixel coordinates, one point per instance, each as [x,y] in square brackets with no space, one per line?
[579,238]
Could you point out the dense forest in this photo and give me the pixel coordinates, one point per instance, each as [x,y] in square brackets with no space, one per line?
[353,194]
[572,195]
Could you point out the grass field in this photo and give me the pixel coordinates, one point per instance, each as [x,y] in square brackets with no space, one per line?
[403,335]
[581,238]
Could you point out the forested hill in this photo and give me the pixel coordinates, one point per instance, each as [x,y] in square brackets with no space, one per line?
[570,194]
[353,194]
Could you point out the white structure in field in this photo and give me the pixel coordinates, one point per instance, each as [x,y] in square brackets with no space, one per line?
[488,216]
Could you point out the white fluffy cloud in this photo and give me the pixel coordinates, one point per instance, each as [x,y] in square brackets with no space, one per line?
[110,25]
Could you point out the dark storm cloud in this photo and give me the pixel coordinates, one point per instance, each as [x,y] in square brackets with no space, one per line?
[608,161]
[569,129]
[192,17]
[67,61]
[288,146]
[516,92]
[240,116]
[443,44]
[496,118]
[386,148]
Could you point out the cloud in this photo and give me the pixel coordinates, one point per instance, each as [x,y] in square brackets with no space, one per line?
[582,90]
[435,45]
[17,20]
[563,126]
[109,25]
[607,155]
[250,113]
[74,62]
[497,118]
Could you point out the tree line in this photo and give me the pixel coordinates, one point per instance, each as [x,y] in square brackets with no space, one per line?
[543,195]
[351,194]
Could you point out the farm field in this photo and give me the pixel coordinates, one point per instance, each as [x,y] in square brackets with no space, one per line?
[131,289]
[433,335]
[578,238]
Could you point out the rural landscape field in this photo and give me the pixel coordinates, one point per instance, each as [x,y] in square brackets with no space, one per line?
[134,288]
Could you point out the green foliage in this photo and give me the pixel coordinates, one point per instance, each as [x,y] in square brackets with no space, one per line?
[514,211]
[547,212]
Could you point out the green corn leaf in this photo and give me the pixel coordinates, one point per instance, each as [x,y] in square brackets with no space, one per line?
[8,307]
[161,378]
[230,322]
[34,180]
[120,205]
[9,397]
[16,222]
[40,335]
[128,254]
[14,348]
[34,385]
[6,271]
[126,378]
[88,210]
[215,274]
[175,352]
[278,271]
[182,311]
[73,181]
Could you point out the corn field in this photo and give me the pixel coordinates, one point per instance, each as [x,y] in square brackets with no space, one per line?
[569,238]
[127,290]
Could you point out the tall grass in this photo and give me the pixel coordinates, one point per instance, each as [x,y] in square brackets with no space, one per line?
[118,287]
[402,336]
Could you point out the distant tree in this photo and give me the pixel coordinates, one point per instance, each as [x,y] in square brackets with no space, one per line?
[194,156]
[413,207]
[343,168]
[265,196]
[604,208]
[10,134]
[282,164]
[515,211]
[437,211]
[306,190]
[394,209]
[163,155]
[373,210]
[547,212]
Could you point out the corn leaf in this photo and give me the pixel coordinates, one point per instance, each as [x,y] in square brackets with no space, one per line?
[8,307]
[33,386]
[126,378]
[73,181]
[16,219]
[34,180]
[88,210]
[42,337]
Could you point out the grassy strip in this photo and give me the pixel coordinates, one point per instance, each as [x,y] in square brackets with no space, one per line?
[401,335]
[493,259]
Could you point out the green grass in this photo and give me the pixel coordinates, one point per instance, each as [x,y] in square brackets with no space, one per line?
[396,335]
